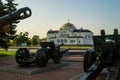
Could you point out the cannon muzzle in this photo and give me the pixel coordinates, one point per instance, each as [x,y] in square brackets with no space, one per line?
[17,15]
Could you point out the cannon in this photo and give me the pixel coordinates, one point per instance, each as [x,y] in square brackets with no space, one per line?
[48,50]
[105,54]
[19,14]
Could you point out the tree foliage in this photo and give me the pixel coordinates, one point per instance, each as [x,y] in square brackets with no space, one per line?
[2,9]
[22,38]
[6,8]
[11,7]
[35,40]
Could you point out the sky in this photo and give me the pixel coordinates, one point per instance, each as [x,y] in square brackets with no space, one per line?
[52,14]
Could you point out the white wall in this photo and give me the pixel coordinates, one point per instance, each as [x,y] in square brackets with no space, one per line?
[86,40]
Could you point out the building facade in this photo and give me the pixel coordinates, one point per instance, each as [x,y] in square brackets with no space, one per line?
[70,35]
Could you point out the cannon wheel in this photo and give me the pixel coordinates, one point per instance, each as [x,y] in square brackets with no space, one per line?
[89,59]
[41,58]
[21,56]
[57,57]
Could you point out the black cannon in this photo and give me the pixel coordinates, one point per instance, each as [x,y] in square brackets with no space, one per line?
[105,54]
[17,15]
[7,20]
[48,50]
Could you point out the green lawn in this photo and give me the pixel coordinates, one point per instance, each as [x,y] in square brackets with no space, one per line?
[12,53]
[4,53]
[77,47]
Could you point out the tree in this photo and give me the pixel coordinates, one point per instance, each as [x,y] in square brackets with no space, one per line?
[2,9]
[21,38]
[29,42]
[11,7]
[6,35]
[35,40]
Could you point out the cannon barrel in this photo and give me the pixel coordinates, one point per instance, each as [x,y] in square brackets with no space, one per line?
[19,14]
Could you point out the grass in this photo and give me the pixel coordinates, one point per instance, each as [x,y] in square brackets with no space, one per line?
[64,46]
[77,47]
[4,53]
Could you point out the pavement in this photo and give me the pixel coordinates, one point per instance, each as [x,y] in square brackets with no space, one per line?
[61,73]
[73,71]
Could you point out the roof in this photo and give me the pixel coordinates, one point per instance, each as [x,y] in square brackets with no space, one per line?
[68,26]
[52,31]
[81,30]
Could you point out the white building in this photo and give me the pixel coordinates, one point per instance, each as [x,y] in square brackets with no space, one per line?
[69,35]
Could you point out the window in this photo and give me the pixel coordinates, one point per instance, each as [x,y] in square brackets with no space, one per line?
[64,35]
[61,41]
[61,35]
[65,41]
[55,35]
[75,34]
[58,41]
[72,41]
[88,36]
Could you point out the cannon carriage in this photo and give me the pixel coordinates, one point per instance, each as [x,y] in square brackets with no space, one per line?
[105,54]
[47,51]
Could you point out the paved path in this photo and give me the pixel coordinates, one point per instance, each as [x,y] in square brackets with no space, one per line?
[63,73]
[75,68]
